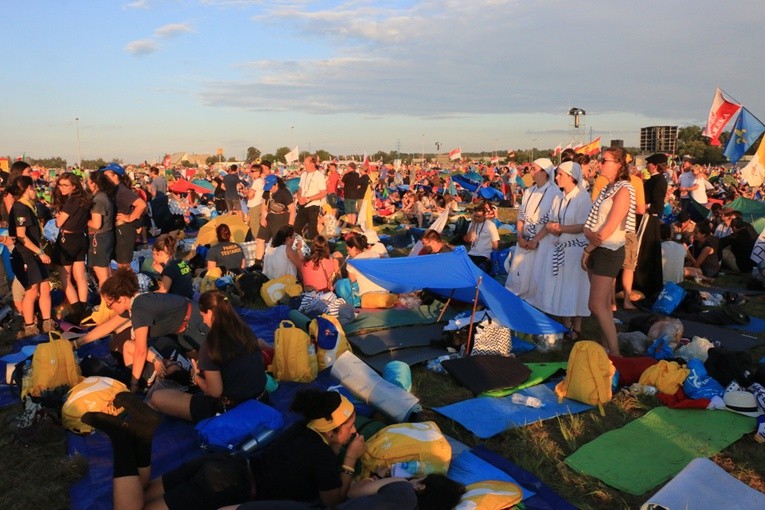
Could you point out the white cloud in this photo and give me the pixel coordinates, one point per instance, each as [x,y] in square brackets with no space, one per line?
[173,29]
[142,47]
[138,4]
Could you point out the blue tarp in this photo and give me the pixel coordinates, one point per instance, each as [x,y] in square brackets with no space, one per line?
[466,183]
[455,274]
[489,193]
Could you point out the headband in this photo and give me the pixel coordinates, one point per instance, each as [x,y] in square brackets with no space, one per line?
[339,416]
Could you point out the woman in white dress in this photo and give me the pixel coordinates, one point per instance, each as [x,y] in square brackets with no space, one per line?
[564,288]
[532,236]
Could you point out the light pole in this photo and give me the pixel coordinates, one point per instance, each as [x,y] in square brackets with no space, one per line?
[79,152]
[423,150]
[532,149]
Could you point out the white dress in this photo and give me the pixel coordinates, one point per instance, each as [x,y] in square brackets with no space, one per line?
[534,211]
[276,263]
[563,287]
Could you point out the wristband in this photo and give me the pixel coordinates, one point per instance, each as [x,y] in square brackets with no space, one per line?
[347,471]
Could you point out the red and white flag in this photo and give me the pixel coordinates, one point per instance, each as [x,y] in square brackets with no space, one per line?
[365,162]
[557,150]
[722,111]
[456,154]
[494,160]
[167,162]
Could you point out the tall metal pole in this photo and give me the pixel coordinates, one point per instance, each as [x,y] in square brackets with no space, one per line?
[79,152]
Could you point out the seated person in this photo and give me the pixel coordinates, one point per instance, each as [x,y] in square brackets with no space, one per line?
[320,270]
[226,255]
[672,256]
[230,368]
[280,258]
[358,248]
[736,249]
[701,261]
[175,275]
[300,466]
[433,243]
[683,227]
[166,322]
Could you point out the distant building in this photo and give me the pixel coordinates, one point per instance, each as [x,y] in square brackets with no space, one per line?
[658,139]
[617,143]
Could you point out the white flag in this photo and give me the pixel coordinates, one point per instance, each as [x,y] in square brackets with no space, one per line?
[292,155]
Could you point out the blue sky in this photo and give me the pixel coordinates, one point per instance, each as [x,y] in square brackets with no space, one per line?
[153,76]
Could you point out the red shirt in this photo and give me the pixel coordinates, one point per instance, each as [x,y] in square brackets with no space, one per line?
[332,179]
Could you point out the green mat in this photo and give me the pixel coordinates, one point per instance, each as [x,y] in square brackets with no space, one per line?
[540,372]
[654,448]
[370,320]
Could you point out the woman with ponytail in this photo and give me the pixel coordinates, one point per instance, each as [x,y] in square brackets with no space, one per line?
[230,368]
[28,260]
[175,275]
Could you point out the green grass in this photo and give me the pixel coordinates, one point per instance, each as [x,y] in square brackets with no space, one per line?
[37,473]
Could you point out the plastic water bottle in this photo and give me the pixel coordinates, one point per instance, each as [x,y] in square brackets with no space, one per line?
[517,398]
[405,469]
[312,359]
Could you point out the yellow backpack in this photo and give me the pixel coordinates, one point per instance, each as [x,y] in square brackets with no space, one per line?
[274,290]
[589,375]
[92,394]
[490,495]
[327,334]
[53,365]
[294,354]
[423,443]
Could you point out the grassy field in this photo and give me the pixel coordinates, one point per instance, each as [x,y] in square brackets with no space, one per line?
[36,470]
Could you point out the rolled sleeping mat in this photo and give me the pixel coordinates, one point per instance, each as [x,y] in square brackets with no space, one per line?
[368,386]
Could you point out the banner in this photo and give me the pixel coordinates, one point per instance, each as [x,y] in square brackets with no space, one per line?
[746,131]
[292,155]
[591,148]
[721,112]
[455,154]
[754,172]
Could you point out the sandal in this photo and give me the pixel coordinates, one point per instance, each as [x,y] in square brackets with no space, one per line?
[571,336]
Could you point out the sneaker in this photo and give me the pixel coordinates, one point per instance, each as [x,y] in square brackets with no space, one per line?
[31,415]
[29,330]
[49,325]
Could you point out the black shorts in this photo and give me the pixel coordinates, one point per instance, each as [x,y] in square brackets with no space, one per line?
[101,249]
[124,243]
[605,262]
[233,204]
[211,481]
[273,223]
[70,248]
[204,406]
[28,269]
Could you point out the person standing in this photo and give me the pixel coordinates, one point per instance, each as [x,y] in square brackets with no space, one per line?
[354,188]
[333,180]
[255,198]
[686,184]
[101,226]
[532,217]
[564,287]
[129,208]
[310,195]
[648,278]
[277,210]
[72,204]
[231,185]
[158,182]
[611,217]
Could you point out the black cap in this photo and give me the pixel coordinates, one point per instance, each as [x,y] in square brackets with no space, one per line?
[657,159]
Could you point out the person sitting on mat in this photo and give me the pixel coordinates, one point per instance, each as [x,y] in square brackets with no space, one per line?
[166,322]
[300,466]
[230,368]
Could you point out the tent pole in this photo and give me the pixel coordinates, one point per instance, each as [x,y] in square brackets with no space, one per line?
[443,310]
[468,345]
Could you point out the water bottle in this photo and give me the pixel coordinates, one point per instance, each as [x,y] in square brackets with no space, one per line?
[517,398]
[312,359]
[405,469]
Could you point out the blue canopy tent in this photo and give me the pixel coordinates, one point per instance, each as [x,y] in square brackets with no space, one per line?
[490,193]
[453,275]
[466,183]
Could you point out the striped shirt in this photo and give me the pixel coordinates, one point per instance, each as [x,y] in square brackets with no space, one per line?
[601,208]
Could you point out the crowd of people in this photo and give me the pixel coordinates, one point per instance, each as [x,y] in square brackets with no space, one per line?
[585,228]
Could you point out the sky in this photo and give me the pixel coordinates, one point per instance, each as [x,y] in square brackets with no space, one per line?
[149,77]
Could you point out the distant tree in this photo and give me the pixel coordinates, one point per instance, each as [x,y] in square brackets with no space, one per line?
[323,155]
[302,155]
[280,154]
[51,162]
[93,164]
[214,159]
[232,159]
[187,164]
[252,154]
[690,142]
[268,157]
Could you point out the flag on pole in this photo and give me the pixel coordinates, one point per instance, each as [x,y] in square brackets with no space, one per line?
[591,148]
[557,150]
[746,131]
[722,111]
[494,160]
[754,171]
[456,154]
[167,162]
[292,156]
[365,161]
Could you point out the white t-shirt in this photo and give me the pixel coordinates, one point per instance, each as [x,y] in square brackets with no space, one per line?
[486,233]
[257,187]
[365,284]
[312,183]
[672,261]
[700,193]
